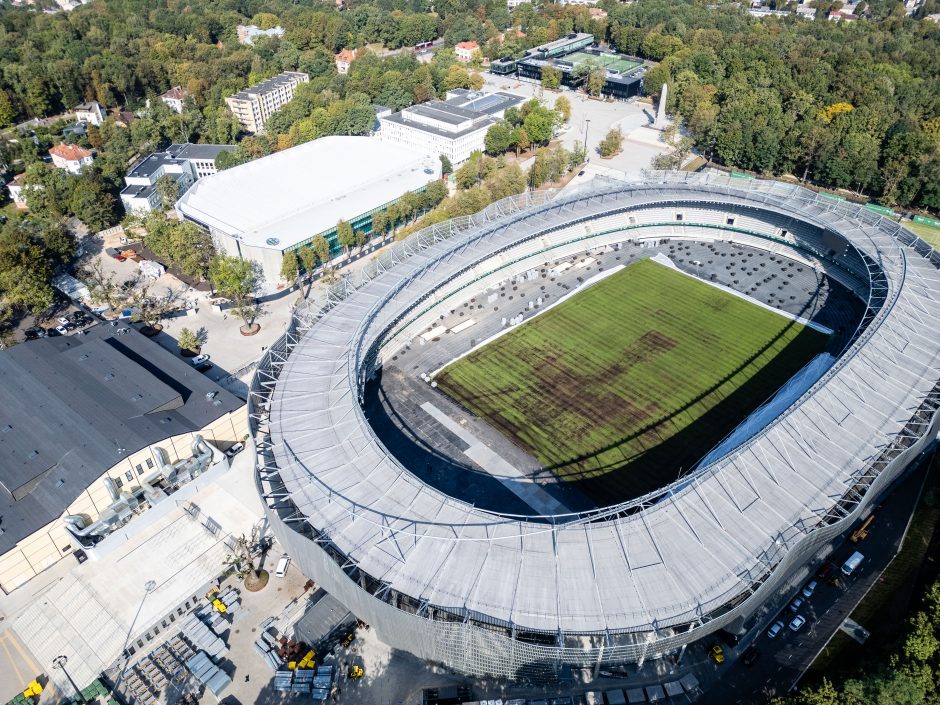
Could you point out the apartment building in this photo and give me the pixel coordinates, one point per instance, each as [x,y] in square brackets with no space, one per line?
[253,106]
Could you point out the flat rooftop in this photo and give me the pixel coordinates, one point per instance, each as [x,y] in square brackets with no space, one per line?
[295,194]
[265,86]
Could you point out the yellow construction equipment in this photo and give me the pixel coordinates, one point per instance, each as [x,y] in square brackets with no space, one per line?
[219,605]
[861,533]
[308,660]
[355,672]
[291,665]
[32,689]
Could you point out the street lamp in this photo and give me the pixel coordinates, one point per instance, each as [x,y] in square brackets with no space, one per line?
[59,662]
[149,587]
[587,123]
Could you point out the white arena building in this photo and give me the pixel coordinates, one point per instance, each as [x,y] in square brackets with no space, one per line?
[486,591]
[266,207]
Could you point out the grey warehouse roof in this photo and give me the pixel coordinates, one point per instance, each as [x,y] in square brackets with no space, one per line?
[72,407]
[665,563]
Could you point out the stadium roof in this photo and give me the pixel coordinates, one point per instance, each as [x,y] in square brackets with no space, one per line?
[303,191]
[72,407]
[705,545]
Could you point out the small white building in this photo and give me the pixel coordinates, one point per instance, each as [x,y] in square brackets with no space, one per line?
[513,4]
[71,157]
[186,163]
[279,203]
[174,98]
[248,33]
[455,127]
[15,187]
[343,60]
[90,113]
[466,51]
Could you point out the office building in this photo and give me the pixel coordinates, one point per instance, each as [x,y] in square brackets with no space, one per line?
[455,127]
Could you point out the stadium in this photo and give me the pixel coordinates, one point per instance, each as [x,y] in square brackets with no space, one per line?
[589,430]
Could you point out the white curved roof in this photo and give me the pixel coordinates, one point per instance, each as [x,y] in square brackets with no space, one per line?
[666,564]
[300,192]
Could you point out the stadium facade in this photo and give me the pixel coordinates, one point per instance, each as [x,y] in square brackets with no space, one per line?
[502,595]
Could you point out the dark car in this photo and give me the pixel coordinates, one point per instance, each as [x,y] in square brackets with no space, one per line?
[204,367]
[34,333]
[728,638]
[750,655]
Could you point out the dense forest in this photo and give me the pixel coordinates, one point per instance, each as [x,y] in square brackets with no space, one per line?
[846,105]
[850,105]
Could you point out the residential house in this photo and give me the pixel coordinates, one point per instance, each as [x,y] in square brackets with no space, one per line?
[90,113]
[15,187]
[71,157]
[466,51]
[174,98]
[344,60]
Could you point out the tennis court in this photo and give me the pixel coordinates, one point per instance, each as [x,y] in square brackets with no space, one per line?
[611,62]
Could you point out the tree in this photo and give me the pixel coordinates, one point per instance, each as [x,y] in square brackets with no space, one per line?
[563,108]
[168,189]
[345,235]
[379,223]
[498,138]
[446,166]
[237,279]
[91,203]
[551,77]
[521,140]
[540,124]
[7,114]
[596,81]
[322,247]
[611,143]
[150,309]
[290,267]
[188,341]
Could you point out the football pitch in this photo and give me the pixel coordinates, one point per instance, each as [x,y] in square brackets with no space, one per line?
[608,61]
[626,384]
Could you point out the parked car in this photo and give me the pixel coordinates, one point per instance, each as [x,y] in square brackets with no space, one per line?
[235,450]
[716,653]
[64,321]
[61,330]
[797,622]
[775,629]
[204,367]
[809,589]
[282,564]
[750,655]
[34,333]
[199,359]
[796,605]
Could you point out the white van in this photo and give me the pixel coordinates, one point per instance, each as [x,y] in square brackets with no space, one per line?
[282,564]
[855,560]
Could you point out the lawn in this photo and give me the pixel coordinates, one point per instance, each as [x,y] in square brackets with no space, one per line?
[631,381]
[927,232]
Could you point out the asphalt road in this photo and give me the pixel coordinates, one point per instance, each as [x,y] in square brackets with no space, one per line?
[784,659]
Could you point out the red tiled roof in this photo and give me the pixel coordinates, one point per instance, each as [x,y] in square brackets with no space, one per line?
[468,45]
[346,55]
[69,152]
[175,93]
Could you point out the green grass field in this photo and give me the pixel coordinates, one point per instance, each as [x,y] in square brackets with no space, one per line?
[927,232]
[608,61]
[629,382]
